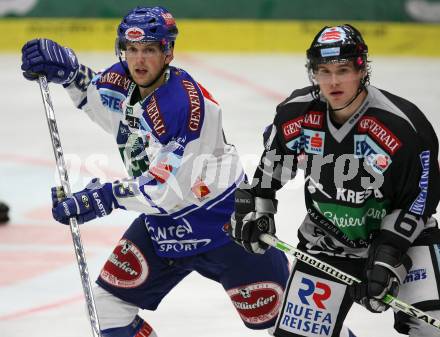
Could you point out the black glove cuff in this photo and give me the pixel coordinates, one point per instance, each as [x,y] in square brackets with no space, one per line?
[244,202]
[392,259]
[263,205]
[385,237]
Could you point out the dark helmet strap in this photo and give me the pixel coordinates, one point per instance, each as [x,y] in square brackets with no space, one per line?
[125,67]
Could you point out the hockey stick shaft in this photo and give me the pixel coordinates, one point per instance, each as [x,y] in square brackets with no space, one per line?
[392,301]
[74,228]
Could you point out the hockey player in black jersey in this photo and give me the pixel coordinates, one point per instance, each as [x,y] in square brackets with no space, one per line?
[370,160]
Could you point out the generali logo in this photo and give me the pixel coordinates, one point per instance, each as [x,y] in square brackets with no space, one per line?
[195,107]
[292,128]
[380,133]
[155,116]
[314,119]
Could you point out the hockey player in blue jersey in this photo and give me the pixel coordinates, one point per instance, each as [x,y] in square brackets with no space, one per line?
[183,174]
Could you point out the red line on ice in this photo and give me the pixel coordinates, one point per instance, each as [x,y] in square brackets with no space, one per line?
[269,93]
[51,163]
[38,309]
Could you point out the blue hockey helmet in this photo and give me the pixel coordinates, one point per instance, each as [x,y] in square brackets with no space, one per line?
[337,44]
[145,24]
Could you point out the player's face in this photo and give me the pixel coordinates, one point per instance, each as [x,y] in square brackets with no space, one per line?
[145,61]
[338,82]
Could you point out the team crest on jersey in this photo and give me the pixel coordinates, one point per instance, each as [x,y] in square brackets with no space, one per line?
[200,190]
[375,157]
[311,307]
[126,267]
[332,35]
[380,133]
[257,303]
[313,141]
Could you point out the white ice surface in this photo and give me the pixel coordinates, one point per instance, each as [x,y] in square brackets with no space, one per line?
[48,303]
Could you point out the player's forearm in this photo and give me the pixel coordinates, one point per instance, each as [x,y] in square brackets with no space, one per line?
[273,172]
[77,89]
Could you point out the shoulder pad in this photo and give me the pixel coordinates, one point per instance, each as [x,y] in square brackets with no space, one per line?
[114,78]
[299,95]
[178,105]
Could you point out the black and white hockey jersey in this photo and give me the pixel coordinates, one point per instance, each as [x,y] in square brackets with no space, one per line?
[378,173]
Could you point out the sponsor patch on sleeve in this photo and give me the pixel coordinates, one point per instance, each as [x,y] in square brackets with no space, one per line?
[195,108]
[418,206]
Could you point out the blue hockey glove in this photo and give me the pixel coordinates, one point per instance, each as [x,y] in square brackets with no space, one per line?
[253,216]
[96,200]
[386,269]
[46,57]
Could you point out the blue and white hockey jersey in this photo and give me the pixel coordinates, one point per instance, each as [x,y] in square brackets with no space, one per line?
[173,147]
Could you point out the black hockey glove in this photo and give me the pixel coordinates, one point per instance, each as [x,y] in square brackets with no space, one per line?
[386,269]
[253,216]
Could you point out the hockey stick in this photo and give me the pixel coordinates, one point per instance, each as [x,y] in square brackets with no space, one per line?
[74,228]
[392,301]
